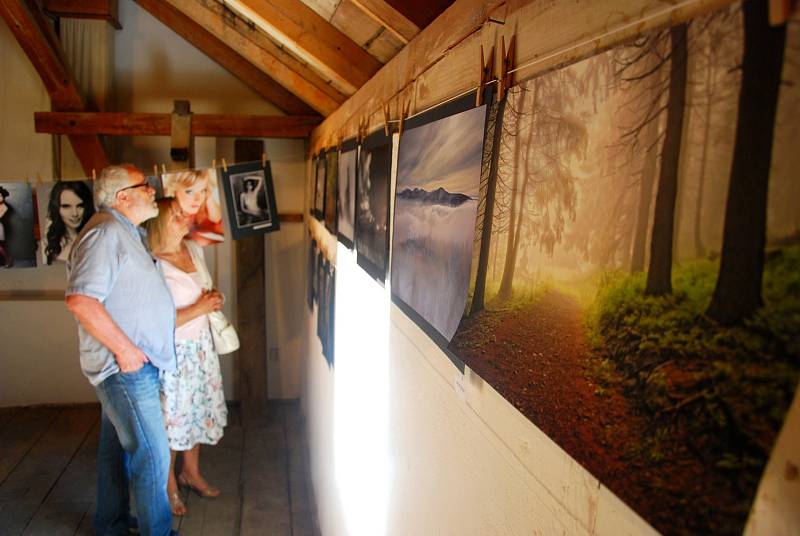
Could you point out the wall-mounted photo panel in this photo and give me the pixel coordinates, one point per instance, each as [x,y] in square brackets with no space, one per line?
[319,189]
[64,208]
[372,207]
[330,316]
[322,296]
[250,197]
[635,286]
[310,272]
[331,183]
[311,185]
[346,198]
[155,183]
[17,221]
[436,203]
[197,192]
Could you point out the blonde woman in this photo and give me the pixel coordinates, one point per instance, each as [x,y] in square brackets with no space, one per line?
[192,398]
[197,194]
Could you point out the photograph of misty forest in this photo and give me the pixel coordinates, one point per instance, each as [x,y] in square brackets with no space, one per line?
[436,201]
[635,286]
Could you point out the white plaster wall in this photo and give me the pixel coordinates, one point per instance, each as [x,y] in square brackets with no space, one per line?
[153,67]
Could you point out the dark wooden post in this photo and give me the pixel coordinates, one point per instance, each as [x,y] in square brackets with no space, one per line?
[251,309]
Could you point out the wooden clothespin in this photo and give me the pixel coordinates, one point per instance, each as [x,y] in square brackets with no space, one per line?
[163,169]
[214,163]
[403,116]
[27,180]
[386,127]
[224,165]
[339,143]
[486,73]
[94,175]
[506,66]
[38,178]
[155,169]
[264,159]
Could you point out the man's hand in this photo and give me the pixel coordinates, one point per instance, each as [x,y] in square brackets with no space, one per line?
[131,361]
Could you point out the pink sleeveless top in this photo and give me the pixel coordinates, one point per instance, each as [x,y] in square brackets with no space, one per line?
[185,289]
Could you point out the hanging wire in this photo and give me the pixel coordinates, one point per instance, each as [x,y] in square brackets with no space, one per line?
[543,59]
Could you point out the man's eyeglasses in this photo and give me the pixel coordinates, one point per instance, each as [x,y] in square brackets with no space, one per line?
[145,184]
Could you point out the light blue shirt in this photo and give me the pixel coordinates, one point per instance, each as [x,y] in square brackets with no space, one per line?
[110,262]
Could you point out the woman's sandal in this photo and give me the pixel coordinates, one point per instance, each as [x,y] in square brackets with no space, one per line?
[176,503]
[207,491]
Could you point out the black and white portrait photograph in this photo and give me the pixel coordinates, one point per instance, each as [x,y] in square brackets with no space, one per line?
[251,199]
[17,238]
[372,219]
[346,198]
[436,202]
[64,208]
[331,178]
[319,188]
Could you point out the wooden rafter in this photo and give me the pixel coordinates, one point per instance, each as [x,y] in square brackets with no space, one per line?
[291,74]
[40,44]
[85,9]
[218,50]
[311,37]
[155,124]
[389,18]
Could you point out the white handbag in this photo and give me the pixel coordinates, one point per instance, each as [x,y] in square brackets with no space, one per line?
[222,332]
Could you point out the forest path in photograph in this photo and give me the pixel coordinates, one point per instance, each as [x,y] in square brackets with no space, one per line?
[537,355]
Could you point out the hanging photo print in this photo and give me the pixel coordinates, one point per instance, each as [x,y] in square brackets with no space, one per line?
[311,185]
[372,208]
[319,189]
[635,278]
[64,208]
[346,198]
[197,193]
[17,221]
[436,202]
[310,265]
[250,199]
[331,177]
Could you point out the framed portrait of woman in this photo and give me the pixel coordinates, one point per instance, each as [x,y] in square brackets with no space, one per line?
[197,193]
[64,208]
[250,198]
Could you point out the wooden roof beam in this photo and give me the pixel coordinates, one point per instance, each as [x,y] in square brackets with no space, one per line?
[156,124]
[312,38]
[222,53]
[85,9]
[40,44]
[389,18]
[299,80]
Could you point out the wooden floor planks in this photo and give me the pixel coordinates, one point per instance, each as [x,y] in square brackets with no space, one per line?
[47,475]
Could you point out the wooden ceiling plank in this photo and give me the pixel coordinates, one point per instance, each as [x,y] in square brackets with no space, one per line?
[85,9]
[160,124]
[390,18]
[214,25]
[311,37]
[219,51]
[40,44]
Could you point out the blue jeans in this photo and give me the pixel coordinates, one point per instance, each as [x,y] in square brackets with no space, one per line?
[132,423]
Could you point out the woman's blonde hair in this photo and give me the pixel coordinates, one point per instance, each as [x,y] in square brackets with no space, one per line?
[184,179]
[157,227]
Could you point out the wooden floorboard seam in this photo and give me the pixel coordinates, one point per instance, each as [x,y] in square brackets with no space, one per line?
[63,470]
[32,445]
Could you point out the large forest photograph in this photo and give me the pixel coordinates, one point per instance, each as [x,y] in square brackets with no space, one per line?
[635,286]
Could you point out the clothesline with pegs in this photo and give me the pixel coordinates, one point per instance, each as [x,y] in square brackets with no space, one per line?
[662,13]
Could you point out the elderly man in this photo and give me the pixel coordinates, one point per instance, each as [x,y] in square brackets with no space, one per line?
[126,324]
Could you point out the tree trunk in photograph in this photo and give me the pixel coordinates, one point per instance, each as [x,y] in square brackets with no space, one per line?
[508,270]
[251,309]
[683,158]
[738,290]
[496,125]
[649,170]
[699,248]
[659,275]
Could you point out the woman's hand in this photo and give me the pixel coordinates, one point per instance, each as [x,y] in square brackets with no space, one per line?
[209,301]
